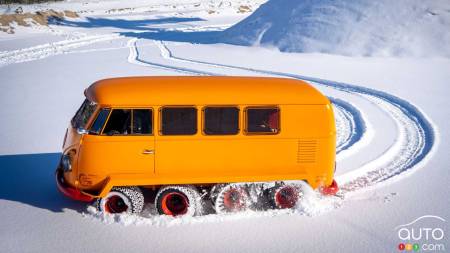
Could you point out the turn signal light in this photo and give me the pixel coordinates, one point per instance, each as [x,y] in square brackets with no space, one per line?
[85,180]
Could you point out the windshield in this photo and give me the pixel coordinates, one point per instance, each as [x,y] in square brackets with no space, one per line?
[83,114]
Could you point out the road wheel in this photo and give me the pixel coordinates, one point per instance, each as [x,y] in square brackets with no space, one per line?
[179,200]
[122,200]
[285,196]
[232,198]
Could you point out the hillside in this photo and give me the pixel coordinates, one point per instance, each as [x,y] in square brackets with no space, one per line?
[357,28]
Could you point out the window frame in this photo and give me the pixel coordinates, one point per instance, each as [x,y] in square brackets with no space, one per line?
[152,127]
[152,122]
[86,102]
[203,119]
[160,119]
[271,107]
[97,114]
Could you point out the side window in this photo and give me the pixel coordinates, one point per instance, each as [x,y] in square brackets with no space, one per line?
[142,121]
[129,121]
[221,120]
[99,121]
[178,121]
[263,120]
[119,122]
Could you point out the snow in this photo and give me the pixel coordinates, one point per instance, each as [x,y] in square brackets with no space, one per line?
[392,115]
[357,28]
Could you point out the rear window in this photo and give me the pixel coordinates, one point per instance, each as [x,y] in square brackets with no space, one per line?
[83,114]
[129,121]
[221,120]
[263,120]
[179,121]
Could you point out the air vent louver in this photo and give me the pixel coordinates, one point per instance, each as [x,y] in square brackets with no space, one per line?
[306,151]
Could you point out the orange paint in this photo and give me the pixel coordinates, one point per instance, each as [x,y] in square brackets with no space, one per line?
[302,147]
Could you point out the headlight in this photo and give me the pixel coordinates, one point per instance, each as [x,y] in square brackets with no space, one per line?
[66,163]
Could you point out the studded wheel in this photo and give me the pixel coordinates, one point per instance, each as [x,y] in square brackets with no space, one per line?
[179,200]
[232,198]
[285,196]
[122,200]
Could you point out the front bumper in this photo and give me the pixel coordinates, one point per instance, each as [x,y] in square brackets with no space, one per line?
[331,189]
[68,190]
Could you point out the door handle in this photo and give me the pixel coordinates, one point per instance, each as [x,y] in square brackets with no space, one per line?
[148,152]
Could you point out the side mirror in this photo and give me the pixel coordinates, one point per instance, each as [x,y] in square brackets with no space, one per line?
[82,131]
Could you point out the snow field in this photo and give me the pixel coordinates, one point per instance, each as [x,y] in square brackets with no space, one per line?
[391,115]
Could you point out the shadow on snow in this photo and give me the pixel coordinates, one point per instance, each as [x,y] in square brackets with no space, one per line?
[30,179]
[140,28]
[141,24]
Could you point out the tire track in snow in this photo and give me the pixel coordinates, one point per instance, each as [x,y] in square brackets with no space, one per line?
[134,58]
[416,134]
[350,122]
[51,49]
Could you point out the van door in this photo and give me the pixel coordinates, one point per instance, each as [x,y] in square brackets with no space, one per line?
[126,144]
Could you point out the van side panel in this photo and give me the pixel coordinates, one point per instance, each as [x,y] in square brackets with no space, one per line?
[225,159]
[304,149]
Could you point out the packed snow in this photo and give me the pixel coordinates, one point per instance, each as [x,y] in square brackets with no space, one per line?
[392,115]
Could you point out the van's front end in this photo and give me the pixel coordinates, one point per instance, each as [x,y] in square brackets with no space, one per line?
[67,171]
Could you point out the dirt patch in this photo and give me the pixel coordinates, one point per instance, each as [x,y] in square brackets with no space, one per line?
[71,14]
[26,19]
[244,9]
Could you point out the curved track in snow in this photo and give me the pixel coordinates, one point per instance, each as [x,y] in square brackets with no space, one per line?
[134,58]
[416,135]
[350,124]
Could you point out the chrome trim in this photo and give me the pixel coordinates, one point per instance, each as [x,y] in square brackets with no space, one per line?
[82,131]
[148,152]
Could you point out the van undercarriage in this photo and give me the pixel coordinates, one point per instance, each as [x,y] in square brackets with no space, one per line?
[193,200]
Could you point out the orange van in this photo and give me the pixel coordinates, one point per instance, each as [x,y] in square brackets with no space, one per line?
[230,141]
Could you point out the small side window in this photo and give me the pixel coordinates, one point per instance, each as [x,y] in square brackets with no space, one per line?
[221,120]
[119,122]
[96,128]
[178,121]
[263,120]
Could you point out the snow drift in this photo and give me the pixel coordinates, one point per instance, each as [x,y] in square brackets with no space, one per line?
[357,28]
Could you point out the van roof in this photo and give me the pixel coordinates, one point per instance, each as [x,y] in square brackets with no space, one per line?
[202,90]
